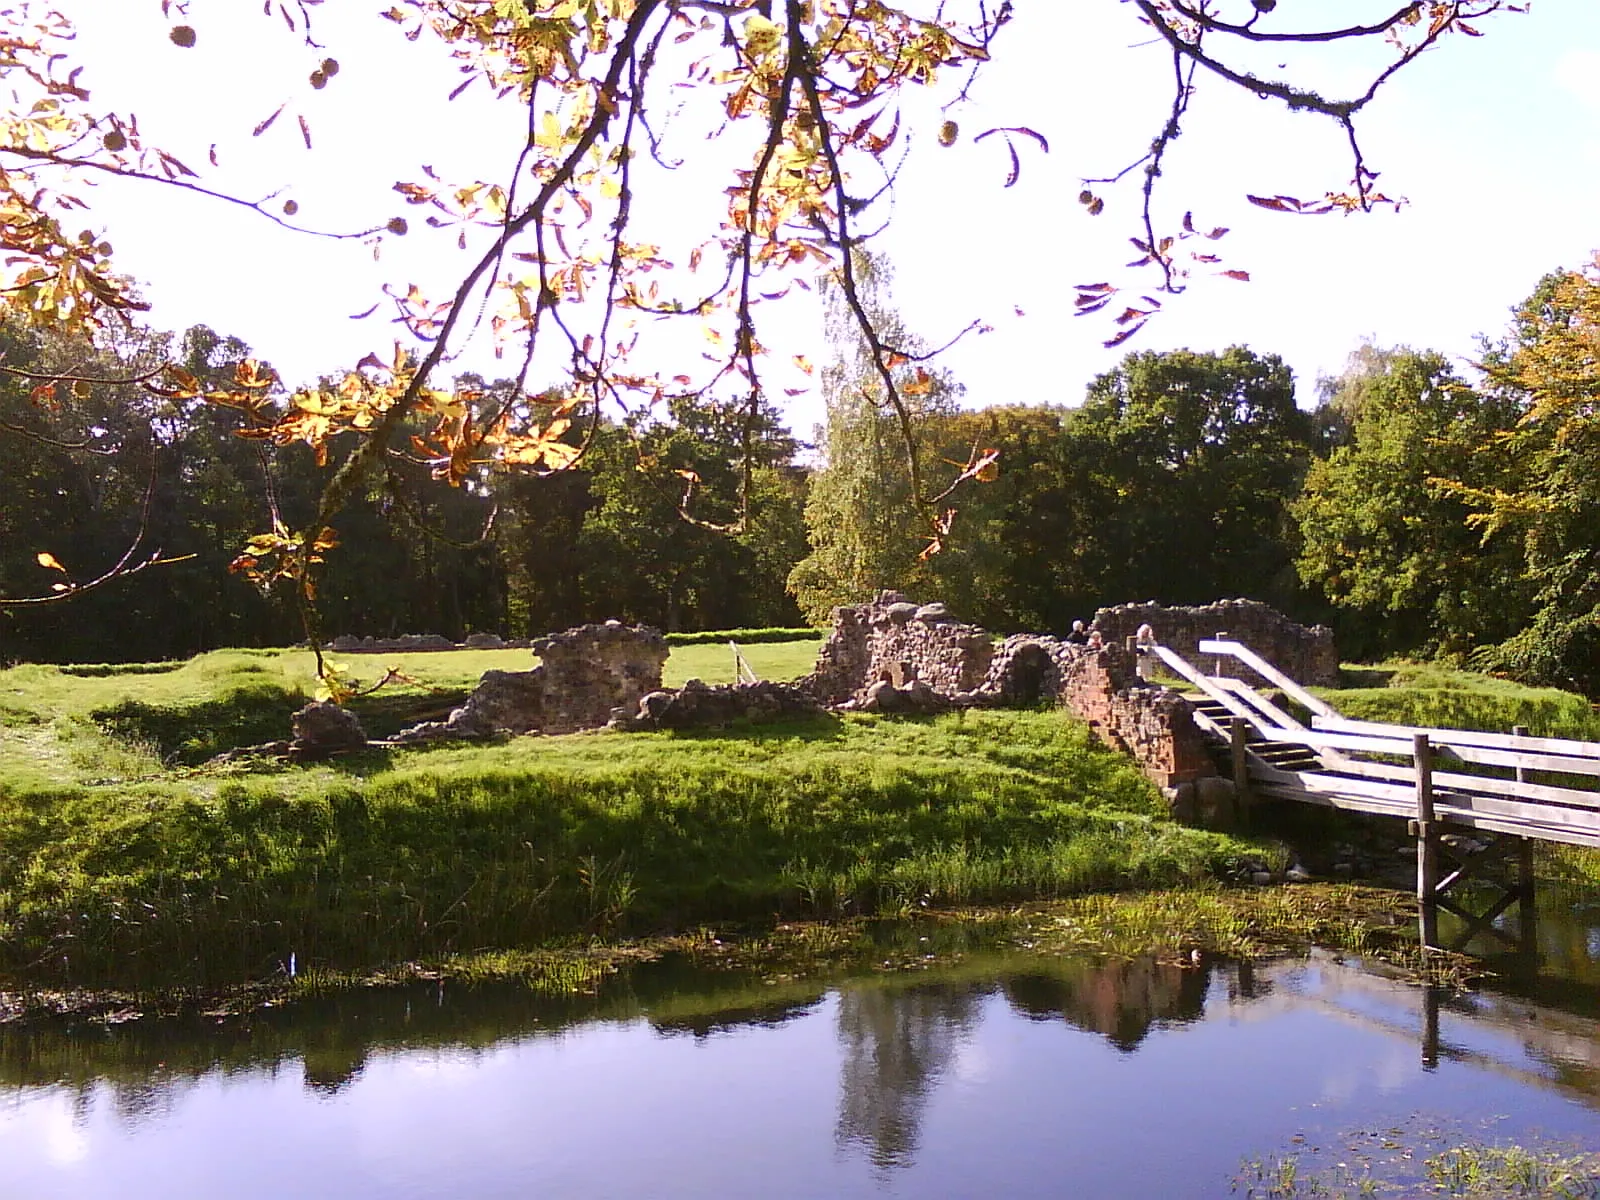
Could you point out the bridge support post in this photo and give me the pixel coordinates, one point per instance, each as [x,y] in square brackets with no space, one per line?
[1241,769]
[1527,913]
[1430,1027]
[1427,845]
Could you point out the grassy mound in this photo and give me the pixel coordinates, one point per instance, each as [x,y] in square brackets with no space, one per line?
[1423,694]
[210,879]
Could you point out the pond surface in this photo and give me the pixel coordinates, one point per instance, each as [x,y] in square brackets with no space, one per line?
[999,1075]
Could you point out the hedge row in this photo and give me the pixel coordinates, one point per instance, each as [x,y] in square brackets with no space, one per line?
[748,637]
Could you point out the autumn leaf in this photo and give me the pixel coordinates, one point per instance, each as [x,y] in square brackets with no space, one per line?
[1124,335]
[267,124]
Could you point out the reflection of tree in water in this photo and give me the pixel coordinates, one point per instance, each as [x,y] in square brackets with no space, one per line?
[329,1069]
[1120,1000]
[1243,982]
[897,1043]
[764,1016]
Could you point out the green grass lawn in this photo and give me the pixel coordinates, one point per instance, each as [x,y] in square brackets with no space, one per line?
[126,857]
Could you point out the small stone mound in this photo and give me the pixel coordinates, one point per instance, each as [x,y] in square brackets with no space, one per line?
[322,730]
[912,697]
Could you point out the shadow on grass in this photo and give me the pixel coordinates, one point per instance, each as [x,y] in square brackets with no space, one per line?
[384,714]
[191,733]
[108,670]
[823,727]
[1365,677]
[370,761]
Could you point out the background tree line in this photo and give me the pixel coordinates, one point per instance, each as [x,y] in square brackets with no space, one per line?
[1417,512]
[514,554]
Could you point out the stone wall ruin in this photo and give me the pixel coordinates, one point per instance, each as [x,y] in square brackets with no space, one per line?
[892,655]
[584,675]
[1307,656]
[894,641]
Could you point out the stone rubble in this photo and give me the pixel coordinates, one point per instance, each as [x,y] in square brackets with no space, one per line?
[321,730]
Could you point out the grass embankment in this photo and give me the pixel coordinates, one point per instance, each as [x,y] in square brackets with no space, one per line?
[1438,697]
[114,870]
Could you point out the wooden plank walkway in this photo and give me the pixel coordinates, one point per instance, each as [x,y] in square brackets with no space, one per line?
[1505,787]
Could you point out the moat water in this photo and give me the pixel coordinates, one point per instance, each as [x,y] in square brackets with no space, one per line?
[997,1075]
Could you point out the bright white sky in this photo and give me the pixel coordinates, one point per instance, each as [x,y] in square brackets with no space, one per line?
[1495,141]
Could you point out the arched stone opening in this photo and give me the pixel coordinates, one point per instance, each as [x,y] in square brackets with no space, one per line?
[1031,676]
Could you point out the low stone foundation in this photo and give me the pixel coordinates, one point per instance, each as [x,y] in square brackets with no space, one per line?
[698,705]
[347,643]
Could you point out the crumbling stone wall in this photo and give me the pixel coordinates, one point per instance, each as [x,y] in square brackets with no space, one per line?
[892,655]
[1154,724]
[590,670]
[1307,656]
[585,675]
[1027,668]
[892,640]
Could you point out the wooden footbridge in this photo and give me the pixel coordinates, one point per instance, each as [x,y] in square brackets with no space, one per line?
[1504,790]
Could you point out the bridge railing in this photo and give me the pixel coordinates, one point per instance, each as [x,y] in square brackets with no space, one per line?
[1509,783]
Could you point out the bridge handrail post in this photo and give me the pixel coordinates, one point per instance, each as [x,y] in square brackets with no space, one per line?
[1241,768]
[1427,844]
[1527,912]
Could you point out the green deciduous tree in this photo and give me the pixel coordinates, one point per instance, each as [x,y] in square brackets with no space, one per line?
[1383,529]
[860,516]
[1186,464]
[1545,498]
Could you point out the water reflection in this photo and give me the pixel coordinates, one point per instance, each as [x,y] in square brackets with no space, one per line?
[897,1044]
[1119,1000]
[979,1077]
